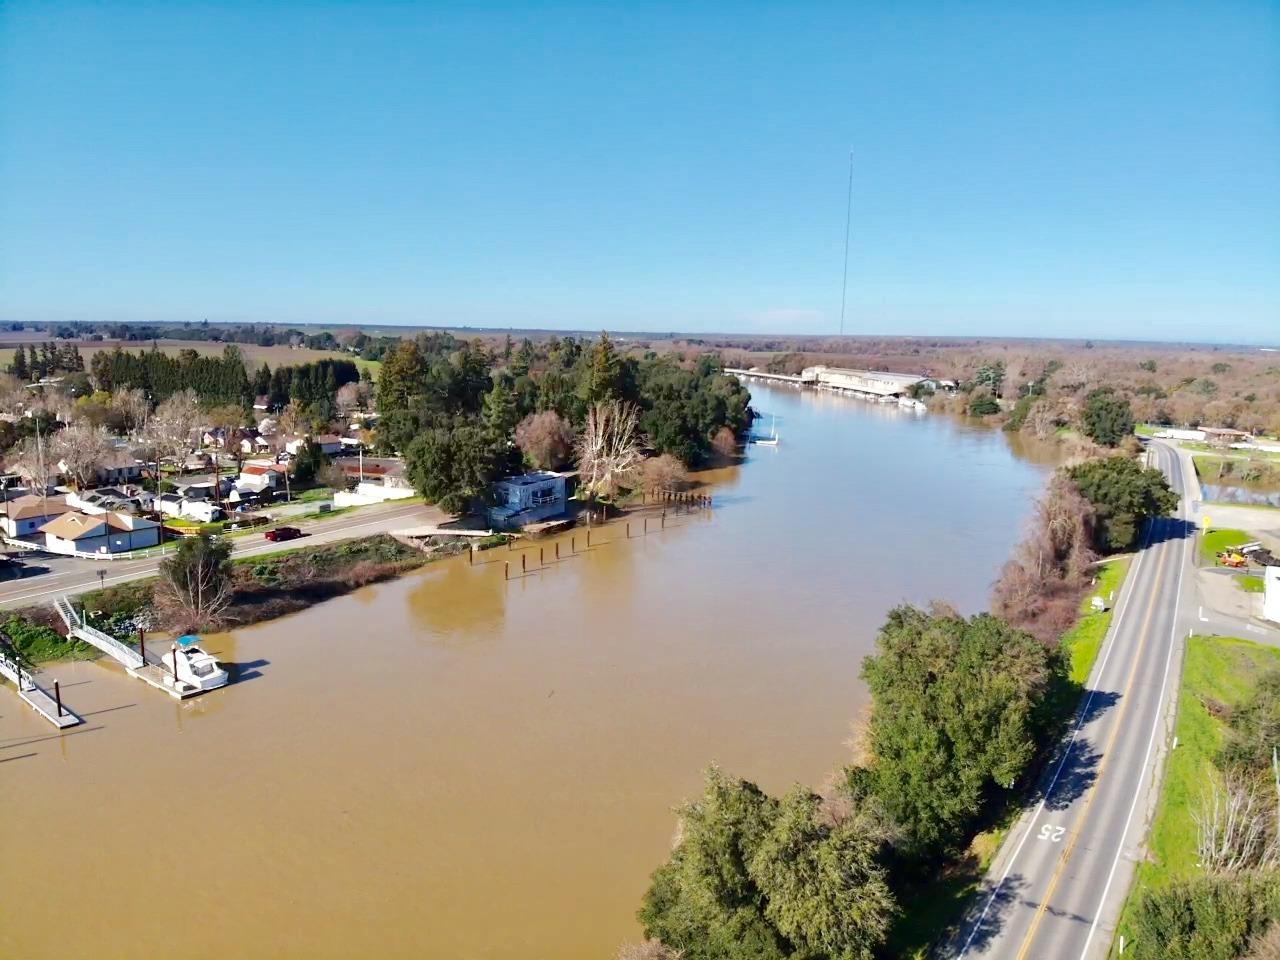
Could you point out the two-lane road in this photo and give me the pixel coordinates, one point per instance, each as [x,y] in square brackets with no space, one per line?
[70,575]
[1057,887]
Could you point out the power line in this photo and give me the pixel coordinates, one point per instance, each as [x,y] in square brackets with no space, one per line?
[848,214]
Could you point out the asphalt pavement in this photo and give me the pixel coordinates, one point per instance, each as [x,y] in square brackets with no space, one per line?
[48,575]
[1058,885]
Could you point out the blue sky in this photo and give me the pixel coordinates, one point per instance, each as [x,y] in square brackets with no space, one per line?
[1084,169]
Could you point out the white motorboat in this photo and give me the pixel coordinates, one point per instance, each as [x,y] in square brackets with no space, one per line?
[190,664]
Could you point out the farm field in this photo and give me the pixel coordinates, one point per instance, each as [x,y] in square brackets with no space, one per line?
[254,355]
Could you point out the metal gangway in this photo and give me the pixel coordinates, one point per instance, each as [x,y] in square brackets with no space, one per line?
[76,627]
[37,697]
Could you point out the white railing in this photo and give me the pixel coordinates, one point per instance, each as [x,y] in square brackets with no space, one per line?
[95,637]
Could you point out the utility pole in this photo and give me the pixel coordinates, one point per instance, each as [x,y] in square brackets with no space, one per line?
[848,216]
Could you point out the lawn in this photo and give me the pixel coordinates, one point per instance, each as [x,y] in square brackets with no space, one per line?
[1084,639]
[1249,583]
[1147,429]
[1220,669]
[1214,541]
[314,495]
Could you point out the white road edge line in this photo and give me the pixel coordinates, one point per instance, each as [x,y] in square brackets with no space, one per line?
[139,574]
[1114,631]
[1151,741]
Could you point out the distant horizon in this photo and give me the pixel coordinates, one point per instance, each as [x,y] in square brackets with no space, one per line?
[1261,345]
[1086,171]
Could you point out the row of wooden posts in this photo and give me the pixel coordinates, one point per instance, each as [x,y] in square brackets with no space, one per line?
[573,542]
[696,501]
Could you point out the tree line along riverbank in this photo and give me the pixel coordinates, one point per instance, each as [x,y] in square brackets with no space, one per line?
[879,859]
[203,588]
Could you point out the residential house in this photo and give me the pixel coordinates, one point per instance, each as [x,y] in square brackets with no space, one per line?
[198,461]
[252,442]
[384,471]
[76,532]
[103,499]
[23,516]
[329,444]
[527,498]
[119,466]
[176,505]
[260,476]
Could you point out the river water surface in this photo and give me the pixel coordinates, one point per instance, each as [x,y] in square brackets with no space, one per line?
[454,766]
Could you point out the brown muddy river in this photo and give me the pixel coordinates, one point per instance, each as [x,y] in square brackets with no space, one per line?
[453,766]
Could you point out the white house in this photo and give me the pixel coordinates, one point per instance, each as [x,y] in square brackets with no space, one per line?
[205,511]
[174,505]
[254,443]
[23,516]
[527,498]
[329,444]
[76,532]
[1271,594]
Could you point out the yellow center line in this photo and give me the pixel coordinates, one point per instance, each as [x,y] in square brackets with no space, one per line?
[1093,790]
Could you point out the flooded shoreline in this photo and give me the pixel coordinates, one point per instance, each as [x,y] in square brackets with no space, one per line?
[448,764]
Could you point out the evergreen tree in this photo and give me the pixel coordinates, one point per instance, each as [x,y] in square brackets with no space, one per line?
[959,713]
[19,366]
[1107,418]
[499,412]
[604,380]
[402,382]
[262,381]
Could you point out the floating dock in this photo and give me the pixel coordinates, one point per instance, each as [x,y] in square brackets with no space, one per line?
[161,677]
[37,697]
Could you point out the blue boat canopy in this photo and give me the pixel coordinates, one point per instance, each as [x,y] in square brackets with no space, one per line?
[187,639]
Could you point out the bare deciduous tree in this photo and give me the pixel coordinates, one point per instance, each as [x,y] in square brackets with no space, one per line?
[196,582]
[169,428]
[724,443]
[546,439]
[35,464]
[352,396]
[609,449]
[80,449]
[1238,824]
[134,407]
[664,474]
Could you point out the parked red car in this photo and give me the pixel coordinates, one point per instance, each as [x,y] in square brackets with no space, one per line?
[283,533]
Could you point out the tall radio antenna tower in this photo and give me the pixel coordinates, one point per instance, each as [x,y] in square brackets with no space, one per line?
[848,214]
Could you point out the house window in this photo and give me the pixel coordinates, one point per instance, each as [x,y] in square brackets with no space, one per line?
[544,495]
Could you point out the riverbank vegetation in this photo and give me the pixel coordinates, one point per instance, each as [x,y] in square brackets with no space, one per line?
[1041,386]
[1209,887]
[964,712]
[201,588]
[463,415]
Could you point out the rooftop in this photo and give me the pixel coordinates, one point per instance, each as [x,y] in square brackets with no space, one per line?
[25,507]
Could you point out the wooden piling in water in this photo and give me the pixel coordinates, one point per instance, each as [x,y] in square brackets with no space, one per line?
[542,560]
[573,545]
[588,537]
[523,566]
[506,569]
[142,645]
[557,550]
[57,696]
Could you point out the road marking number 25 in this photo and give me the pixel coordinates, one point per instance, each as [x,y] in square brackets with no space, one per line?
[1051,833]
